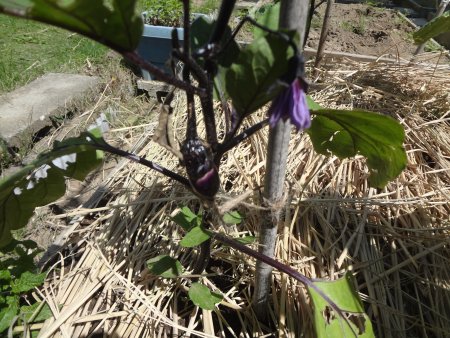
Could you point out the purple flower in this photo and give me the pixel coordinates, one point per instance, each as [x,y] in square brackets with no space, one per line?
[291,104]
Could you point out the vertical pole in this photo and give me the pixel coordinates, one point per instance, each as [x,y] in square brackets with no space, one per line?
[323,35]
[293,15]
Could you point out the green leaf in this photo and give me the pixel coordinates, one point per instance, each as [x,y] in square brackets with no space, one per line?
[8,313]
[27,281]
[201,30]
[202,296]
[377,137]
[232,217]
[28,311]
[433,28]
[43,181]
[195,237]
[165,266]
[246,239]
[114,23]
[268,16]
[5,277]
[327,322]
[252,80]
[186,219]
[312,105]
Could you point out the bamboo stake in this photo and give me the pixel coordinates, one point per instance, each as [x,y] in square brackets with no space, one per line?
[293,15]
[323,35]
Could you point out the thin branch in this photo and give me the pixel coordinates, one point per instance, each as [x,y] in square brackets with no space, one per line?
[191,128]
[283,268]
[135,158]
[160,75]
[225,11]
[224,147]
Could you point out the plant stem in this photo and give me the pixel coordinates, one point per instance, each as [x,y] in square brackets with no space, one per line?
[191,128]
[293,15]
[260,257]
[135,158]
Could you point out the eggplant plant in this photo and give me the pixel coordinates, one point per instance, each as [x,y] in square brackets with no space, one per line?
[269,69]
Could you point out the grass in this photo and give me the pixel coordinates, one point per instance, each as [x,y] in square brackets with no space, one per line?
[355,27]
[206,6]
[29,50]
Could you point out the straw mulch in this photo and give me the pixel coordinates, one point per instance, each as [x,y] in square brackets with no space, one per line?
[395,240]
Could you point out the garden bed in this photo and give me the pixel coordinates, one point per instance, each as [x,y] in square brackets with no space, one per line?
[367,30]
[395,240]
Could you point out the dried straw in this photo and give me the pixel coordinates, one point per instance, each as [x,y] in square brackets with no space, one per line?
[395,240]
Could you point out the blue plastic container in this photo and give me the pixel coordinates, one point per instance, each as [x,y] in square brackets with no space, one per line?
[156,45]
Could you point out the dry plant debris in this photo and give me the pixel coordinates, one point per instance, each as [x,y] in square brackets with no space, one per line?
[395,240]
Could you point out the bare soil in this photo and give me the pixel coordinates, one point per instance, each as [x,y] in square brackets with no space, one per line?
[364,29]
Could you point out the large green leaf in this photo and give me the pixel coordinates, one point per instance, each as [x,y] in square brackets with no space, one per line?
[114,23]
[377,137]
[433,28]
[253,80]
[43,181]
[330,324]
[268,16]
[27,281]
[8,312]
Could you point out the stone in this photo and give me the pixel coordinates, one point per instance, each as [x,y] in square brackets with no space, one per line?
[419,22]
[28,109]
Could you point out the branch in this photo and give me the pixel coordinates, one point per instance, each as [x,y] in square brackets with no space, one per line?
[280,267]
[135,158]
[161,76]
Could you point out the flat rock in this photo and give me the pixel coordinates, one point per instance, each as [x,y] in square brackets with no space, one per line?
[420,22]
[28,109]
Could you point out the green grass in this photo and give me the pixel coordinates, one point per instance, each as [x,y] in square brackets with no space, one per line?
[29,50]
[206,7]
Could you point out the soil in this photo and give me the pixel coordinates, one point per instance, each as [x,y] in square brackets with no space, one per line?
[365,30]
[362,29]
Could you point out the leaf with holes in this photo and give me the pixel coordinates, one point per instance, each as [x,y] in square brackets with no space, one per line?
[433,28]
[113,23]
[346,133]
[203,297]
[327,322]
[43,181]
